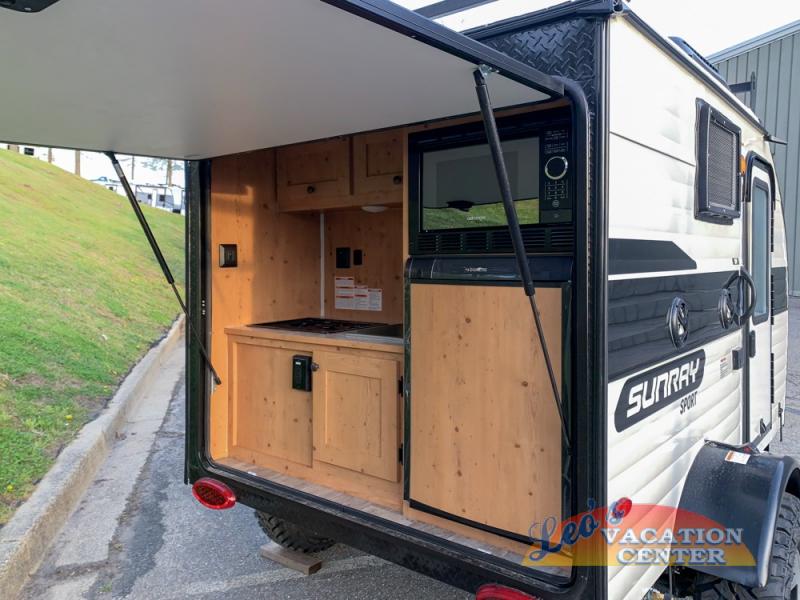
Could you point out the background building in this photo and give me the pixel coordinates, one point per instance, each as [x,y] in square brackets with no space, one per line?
[770,63]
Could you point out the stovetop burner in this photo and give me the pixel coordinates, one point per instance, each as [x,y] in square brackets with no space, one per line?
[315,325]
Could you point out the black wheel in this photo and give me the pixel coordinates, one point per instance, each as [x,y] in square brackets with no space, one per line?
[291,536]
[784,566]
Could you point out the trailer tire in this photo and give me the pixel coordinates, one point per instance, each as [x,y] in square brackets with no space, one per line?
[784,564]
[291,536]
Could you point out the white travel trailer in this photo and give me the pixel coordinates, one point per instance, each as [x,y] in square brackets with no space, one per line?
[508,308]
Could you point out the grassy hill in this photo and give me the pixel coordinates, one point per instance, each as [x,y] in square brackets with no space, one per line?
[81,300]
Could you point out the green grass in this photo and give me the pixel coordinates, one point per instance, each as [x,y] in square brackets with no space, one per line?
[81,300]
[480,215]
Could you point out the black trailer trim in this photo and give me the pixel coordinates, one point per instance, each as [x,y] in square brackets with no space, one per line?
[637,333]
[627,256]
[403,21]
[559,12]
[432,510]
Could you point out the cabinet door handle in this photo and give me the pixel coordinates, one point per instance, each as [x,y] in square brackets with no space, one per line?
[314,366]
[311,189]
[397,180]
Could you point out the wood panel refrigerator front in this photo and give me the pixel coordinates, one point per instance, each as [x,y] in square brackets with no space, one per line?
[485,437]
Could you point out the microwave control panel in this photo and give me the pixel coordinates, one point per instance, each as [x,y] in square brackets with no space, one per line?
[555,193]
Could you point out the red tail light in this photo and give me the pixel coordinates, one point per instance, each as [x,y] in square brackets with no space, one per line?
[492,591]
[213,494]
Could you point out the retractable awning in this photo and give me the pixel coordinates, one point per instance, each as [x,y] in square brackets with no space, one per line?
[200,78]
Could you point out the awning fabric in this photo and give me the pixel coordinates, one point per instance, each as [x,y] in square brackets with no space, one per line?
[194,79]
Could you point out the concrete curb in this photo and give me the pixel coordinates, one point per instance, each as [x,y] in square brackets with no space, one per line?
[26,537]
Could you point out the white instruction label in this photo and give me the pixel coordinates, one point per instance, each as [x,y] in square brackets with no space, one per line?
[361,298]
[344,293]
[737,457]
[375,299]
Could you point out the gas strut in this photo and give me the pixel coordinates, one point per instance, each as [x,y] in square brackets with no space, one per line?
[493,138]
[161,260]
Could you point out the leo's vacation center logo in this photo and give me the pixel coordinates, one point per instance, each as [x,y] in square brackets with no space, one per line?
[641,534]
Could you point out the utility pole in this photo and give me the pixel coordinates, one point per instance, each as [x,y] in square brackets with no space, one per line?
[133,168]
[50,155]
[78,163]
[169,172]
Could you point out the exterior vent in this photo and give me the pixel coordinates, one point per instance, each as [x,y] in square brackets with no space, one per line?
[562,238]
[474,242]
[449,243]
[426,243]
[554,238]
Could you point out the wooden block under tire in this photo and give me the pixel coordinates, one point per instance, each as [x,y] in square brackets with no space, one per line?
[297,561]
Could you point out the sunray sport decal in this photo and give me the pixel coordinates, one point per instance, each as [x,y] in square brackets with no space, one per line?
[646,394]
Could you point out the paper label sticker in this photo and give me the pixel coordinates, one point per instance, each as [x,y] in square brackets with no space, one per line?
[737,457]
[344,293]
[375,299]
[361,298]
[724,367]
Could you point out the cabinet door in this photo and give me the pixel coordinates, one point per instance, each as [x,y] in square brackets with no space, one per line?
[378,163]
[356,413]
[267,415]
[318,170]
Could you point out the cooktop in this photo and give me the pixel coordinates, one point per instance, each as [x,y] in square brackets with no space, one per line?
[316,325]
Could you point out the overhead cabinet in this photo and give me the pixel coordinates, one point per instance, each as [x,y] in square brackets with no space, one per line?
[378,163]
[314,175]
[346,172]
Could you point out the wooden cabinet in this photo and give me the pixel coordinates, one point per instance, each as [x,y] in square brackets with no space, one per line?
[378,164]
[313,175]
[356,413]
[267,416]
[341,173]
[344,434]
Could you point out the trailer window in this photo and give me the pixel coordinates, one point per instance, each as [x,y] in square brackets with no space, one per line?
[718,150]
[760,249]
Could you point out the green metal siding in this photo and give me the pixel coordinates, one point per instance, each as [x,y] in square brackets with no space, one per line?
[776,101]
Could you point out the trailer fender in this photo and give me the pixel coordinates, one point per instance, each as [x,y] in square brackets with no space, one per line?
[740,488]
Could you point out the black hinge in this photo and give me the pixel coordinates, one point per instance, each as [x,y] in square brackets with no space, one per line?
[751,344]
[400,389]
[400,454]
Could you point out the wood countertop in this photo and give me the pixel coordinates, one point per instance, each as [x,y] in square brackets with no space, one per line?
[341,340]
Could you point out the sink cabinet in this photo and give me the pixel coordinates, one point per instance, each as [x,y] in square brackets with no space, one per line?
[344,433]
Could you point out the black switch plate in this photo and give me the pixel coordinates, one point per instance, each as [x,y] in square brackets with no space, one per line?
[343,258]
[228,256]
[358,257]
[301,373]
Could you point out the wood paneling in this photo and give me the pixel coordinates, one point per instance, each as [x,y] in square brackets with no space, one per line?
[356,413]
[485,434]
[313,172]
[380,237]
[378,163]
[267,415]
[279,263]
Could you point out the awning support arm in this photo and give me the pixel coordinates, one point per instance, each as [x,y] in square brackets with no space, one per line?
[161,260]
[493,137]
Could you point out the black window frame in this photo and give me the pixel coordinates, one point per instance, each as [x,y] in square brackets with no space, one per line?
[705,210]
